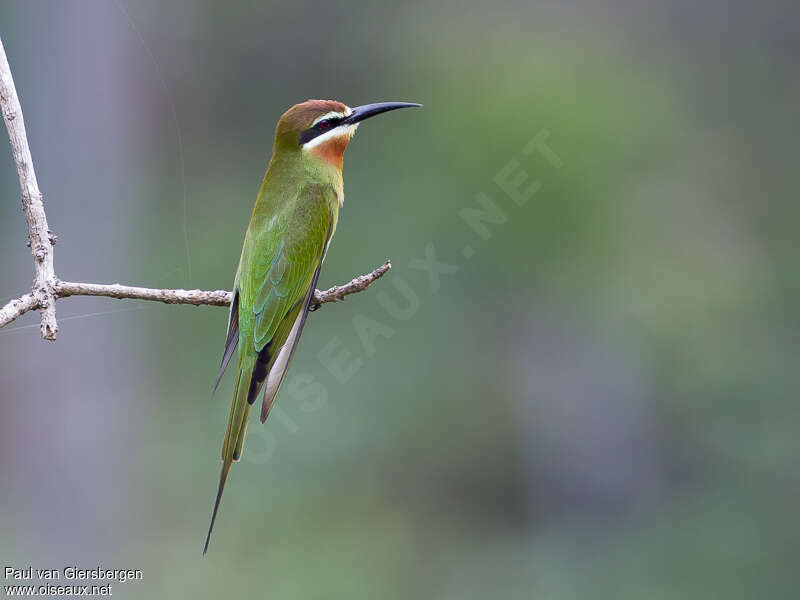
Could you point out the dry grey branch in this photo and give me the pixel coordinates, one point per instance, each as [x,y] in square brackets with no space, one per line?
[16,308]
[359,284]
[64,289]
[40,238]
[47,288]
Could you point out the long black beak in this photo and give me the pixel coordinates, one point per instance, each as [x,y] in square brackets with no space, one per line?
[370,110]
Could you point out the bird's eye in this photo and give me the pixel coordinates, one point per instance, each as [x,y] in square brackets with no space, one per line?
[324,124]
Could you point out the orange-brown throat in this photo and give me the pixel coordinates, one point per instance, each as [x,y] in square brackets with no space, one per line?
[332,150]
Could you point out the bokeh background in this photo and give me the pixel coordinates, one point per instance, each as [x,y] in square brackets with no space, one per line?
[597,397]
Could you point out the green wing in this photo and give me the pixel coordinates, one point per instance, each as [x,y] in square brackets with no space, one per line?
[285,258]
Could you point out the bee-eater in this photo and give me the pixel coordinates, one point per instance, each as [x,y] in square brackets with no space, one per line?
[291,226]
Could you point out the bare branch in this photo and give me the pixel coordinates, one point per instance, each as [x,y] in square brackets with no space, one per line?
[16,308]
[40,239]
[64,289]
[359,284]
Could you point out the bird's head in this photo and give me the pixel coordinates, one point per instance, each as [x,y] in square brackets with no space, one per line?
[323,128]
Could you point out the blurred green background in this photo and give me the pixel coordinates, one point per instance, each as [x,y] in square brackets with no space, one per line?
[598,400]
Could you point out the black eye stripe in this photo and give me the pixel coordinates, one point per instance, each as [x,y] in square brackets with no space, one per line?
[321,127]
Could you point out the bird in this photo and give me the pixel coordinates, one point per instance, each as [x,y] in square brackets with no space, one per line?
[290,229]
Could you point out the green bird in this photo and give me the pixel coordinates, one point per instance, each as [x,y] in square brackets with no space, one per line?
[291,226]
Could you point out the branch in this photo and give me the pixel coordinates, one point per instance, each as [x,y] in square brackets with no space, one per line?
[47,288]
[338,292]
[17,308]
[64,289]
[40,238]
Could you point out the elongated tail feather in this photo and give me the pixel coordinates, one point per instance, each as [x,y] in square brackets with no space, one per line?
[234,434]
[223,476]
